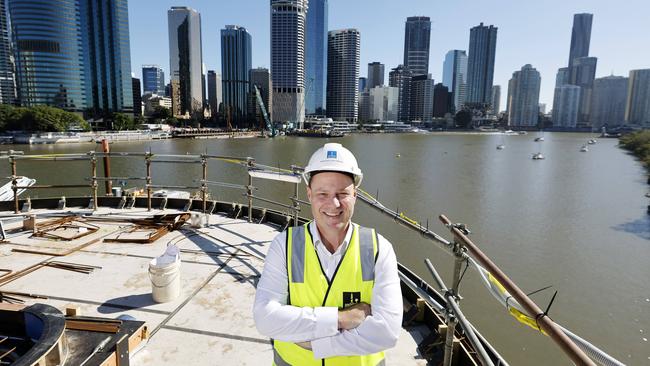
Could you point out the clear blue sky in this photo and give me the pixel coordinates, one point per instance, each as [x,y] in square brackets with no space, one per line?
[534,32]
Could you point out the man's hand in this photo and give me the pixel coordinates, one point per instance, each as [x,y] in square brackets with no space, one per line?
[351,317]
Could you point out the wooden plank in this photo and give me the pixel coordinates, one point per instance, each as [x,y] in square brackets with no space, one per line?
[93,326]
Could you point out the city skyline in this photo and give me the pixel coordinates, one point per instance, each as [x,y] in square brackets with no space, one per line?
[525,39]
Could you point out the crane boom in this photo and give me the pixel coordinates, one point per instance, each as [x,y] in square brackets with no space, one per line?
[269,125]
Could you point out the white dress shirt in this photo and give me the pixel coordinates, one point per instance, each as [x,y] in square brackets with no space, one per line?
[277,320]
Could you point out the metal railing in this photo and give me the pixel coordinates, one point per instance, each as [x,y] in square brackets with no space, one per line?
[459,247]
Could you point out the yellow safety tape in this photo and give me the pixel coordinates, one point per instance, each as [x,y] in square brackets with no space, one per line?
[521,317]
[401,214]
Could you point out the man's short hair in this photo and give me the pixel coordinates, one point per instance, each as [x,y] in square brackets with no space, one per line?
[311,176]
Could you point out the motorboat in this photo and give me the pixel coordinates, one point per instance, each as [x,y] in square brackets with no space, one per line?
[538,156]
[501,147]
[584,148]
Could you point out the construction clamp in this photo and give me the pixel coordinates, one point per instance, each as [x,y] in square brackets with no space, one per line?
[462,227]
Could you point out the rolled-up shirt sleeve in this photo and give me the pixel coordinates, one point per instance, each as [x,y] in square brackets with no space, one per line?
[277,320]
[380,330]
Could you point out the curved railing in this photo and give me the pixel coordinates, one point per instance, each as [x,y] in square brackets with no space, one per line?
[462,248]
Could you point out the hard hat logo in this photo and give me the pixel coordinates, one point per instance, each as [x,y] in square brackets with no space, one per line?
[333,157]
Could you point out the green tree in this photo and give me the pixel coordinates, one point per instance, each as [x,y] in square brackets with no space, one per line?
[122,121]
[161,113]
[172,121]
[463,118]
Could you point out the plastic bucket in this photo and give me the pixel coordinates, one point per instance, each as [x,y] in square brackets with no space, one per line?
[165,275]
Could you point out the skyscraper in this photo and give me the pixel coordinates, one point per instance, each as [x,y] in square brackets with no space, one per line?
[186,58]
[153,80]
[523,97]
[236,56]
[454,76]
[566,103]
[364,106]
[363,83]
[422,87]
[580,38]
[343,54]
[137,97]
[214,92]
[496,99]
[316,57]
[7,76]
[84,66]
[417,35]
[582,73]
[383,103]
[480,65]
[562,77]
[608,101]
[261,78]
[109,55]
[442,100]
[288,59]
[375,74]
[637,109]
[400,77]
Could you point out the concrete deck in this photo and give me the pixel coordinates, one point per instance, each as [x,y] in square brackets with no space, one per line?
[211,322]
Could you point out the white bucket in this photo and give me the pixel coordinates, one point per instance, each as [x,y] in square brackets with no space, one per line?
[165,275]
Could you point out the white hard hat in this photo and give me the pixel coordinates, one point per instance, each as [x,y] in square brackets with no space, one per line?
[335,158]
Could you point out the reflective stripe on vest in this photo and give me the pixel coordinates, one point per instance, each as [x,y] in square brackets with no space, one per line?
[366,245]
[351,283]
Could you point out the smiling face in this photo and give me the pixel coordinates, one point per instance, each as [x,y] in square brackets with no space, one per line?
[332,196]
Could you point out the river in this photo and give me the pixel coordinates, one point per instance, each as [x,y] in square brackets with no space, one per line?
[576,221]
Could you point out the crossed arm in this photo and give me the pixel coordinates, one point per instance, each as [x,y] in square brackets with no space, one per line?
[358,330]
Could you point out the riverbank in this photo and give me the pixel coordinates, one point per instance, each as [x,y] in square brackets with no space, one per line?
[638,143]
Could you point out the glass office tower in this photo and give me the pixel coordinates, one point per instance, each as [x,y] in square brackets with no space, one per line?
[316,57]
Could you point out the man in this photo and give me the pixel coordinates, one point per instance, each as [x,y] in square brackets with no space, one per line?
[330,293]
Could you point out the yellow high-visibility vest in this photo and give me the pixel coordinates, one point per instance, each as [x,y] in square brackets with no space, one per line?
[351,283]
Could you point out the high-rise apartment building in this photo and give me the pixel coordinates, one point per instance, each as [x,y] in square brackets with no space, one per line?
[637,108]
[454,76]
[523,97]
[214,92]
[422,87]
[582,73]
[363,83]
[288,18]
[383,103]
[566,105]
[480,64]
[400,77]
[343,57]
[364,106]
[562,77]
[261,77]
[186,58]
[417,38]
[83,67]
[608,101]
[7,76]
[442,100]
[316,57]
[580,38]
[376,73]
[236,64]
[137,97]
[496,99]
[153,80]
